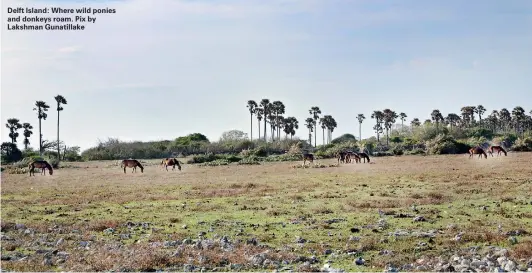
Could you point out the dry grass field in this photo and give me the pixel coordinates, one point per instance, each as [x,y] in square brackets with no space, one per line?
[93,217]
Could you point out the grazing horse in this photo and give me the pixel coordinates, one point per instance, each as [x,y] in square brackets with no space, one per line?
[479,151]
[171,162]
[131,163]
[41,164]
[497,148]
[364,156]
[354,155]
[341,156]
[308,157]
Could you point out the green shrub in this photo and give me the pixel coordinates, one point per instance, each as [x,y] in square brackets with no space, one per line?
[445,144]
[249,161]
[416,151]
[217,162]
[379,154]
[523,145]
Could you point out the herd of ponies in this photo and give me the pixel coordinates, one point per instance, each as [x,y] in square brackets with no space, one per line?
[342,157]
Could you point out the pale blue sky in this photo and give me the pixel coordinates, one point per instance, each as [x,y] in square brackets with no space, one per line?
[165,68]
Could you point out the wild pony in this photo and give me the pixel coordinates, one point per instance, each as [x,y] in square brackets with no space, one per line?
[351,155]
[308,157]
[341,156]
[479,151]
[364,156]
[497,148]
[131,163]
[41,164]
[171,162]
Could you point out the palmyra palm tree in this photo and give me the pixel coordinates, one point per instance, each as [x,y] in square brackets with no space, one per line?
[310,123]
[415,123]
[323,126]
[437,117]
[278,108]
[27,134]
[360,118]
[402,117]
[389,120]
[41,107]
[259,112]
[452,119]
[378,116]
[252,106]
[60,101]
[480,110]
[266,110]
[315,112]
[13,124]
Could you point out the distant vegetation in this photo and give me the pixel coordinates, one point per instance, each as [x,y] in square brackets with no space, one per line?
[276,141]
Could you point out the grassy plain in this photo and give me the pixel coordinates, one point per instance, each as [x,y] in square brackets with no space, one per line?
[330,213]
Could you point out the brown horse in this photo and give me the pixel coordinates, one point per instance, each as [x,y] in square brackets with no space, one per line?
[364,156]
[308,157]
[131,163]
[352,155]
[479,151]
[41,164]
[497,148]
[171,162]
[341,156]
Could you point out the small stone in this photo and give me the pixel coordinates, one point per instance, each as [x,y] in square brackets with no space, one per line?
[360,261]
[419,219]
[184,227]
[60,241]
[512,240]
[510,266]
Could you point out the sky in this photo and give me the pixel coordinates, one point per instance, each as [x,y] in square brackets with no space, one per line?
[161,69]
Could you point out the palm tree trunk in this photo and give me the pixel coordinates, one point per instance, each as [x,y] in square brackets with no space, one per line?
[323,132]
[258,123]
[40,138]
[387,137]
[315,135]
[264,133]
[58,151]
[359,131]
[251,131]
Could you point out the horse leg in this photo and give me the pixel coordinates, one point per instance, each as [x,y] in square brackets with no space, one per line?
[124,169]
[166,165]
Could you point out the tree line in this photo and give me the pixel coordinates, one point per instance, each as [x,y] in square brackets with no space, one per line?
[272,113]
[10,150]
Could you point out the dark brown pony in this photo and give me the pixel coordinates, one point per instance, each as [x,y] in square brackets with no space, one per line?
[341,156]
[497,148]
[131,163]
[479,151]
[351,156]
[364,156]
[171,162]
[308,157]
[41,164]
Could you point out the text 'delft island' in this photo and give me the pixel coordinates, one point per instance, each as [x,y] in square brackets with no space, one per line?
[53,18]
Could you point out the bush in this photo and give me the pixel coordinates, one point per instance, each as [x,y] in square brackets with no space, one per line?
[217,162]
[523,145]
[445,144]
[249,161]
[379,154]
[416,151]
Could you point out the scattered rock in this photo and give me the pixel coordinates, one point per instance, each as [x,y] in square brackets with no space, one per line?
[419,219]
[360,261]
